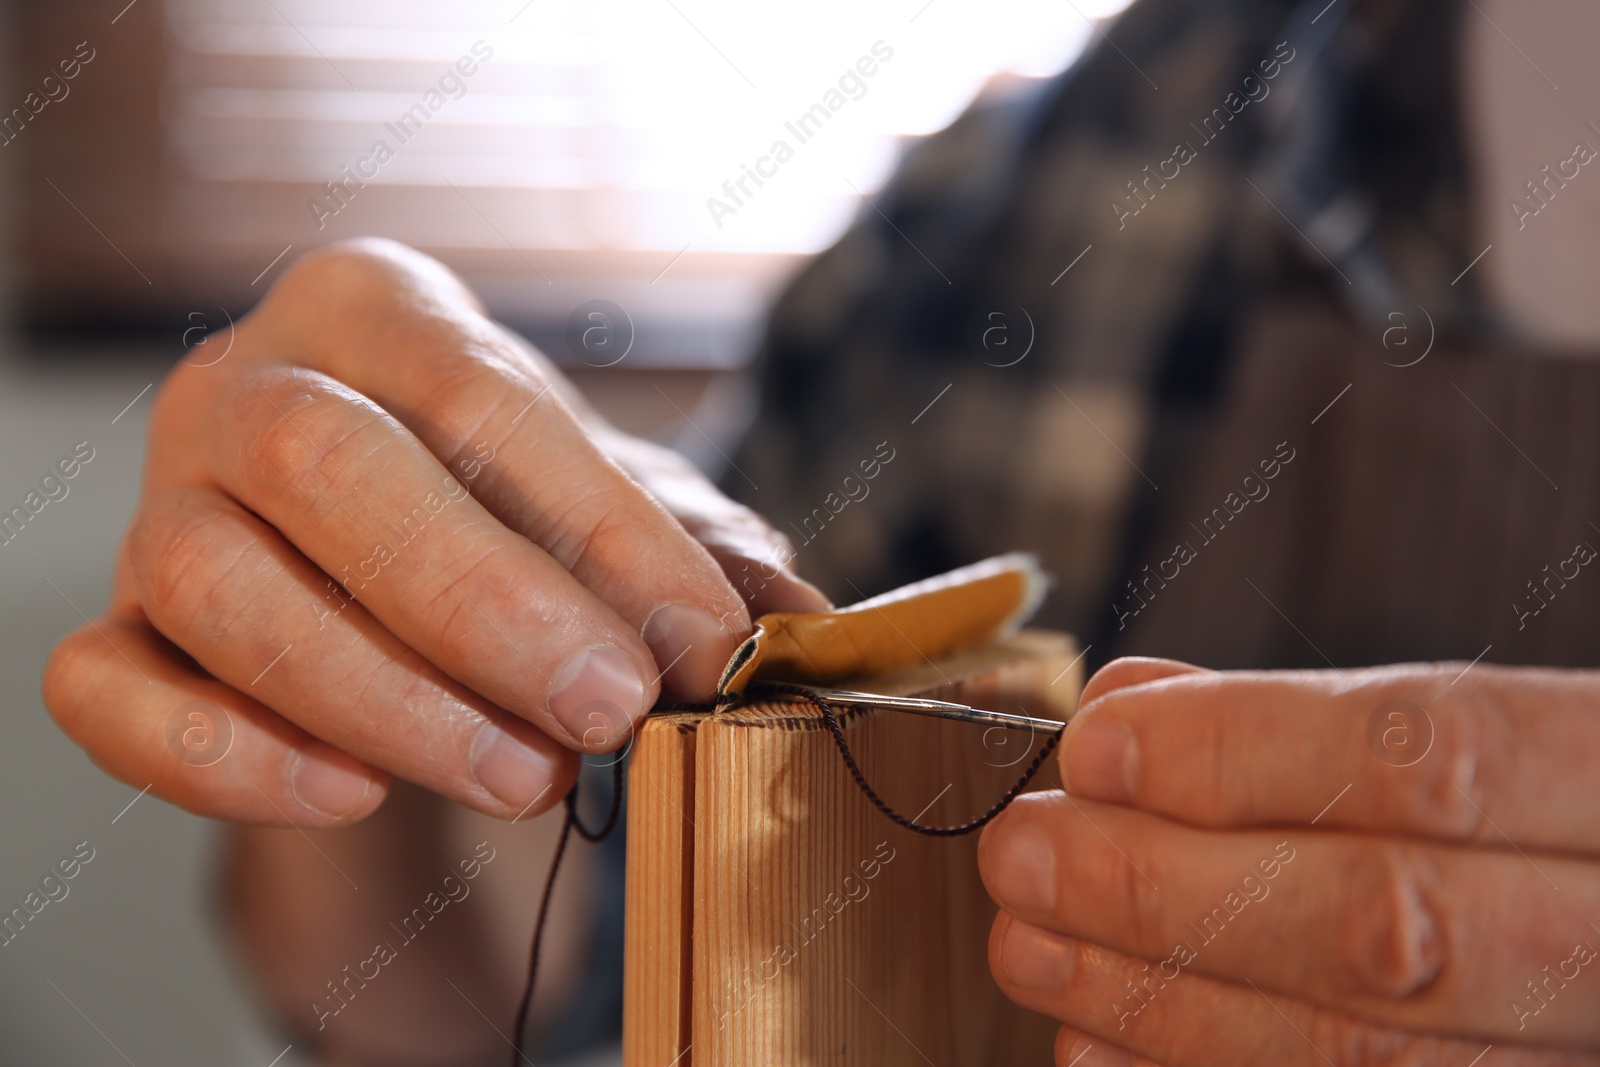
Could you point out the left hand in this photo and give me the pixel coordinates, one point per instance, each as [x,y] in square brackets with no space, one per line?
[1394,865]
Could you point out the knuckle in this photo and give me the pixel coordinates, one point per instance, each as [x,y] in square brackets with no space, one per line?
[1350,1042]
[1472,739]
[346,269]
[1354,1043]
[394,701]
[1480,743]
[367,273]
[1148,912]
[1108,872]
[597,526]
[1385,927]
[450,611]
[282,440]
[472,390]
[174,548]
[1217,782]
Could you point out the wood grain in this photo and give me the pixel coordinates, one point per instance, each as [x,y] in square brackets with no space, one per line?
[821,932]
[659,906]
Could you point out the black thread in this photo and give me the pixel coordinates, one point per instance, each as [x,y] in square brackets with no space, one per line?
[809,696]
[816,700]
[569,823]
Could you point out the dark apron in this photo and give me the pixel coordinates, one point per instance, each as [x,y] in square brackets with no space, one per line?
[1443,510]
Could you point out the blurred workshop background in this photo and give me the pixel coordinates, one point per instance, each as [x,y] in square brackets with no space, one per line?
[161,161]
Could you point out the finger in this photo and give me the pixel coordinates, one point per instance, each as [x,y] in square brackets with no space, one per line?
[484,404]
[358,495]
[257,615]
[119,690]
[1503,755]
[1177,1018]
[757,559]
[1075,1048]
[765,583]
[1133,670]
[1404,932]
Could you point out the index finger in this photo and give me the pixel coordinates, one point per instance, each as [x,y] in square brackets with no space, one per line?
[397,327]
[1500,755]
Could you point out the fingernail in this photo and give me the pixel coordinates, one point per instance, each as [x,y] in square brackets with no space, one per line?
[1101,761]
[512,770]
[1035,958]
[327,781]
[1023,872]
[1088,1053]
[597,696]
[690,645]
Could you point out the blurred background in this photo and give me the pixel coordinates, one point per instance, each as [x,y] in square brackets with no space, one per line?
[149,199]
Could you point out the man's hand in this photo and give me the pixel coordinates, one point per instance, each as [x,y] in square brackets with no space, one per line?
[382,536]
[1396,865]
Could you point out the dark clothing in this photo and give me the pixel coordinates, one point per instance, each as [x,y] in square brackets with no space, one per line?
[1239,396]
[1202,269]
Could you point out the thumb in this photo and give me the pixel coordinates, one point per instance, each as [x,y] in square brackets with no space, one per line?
[1097,758]
[1130,671]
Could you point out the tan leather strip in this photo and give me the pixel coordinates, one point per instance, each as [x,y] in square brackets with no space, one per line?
[916,624]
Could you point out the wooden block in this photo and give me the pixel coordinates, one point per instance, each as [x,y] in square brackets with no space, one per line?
[811,929]
[659,907]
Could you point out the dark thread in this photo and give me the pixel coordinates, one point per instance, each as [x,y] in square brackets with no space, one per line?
[571,821]
[831,718]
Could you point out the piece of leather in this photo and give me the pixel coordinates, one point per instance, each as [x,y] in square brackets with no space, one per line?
[919,623]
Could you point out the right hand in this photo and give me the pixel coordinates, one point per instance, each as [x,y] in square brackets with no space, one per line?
[308,558]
